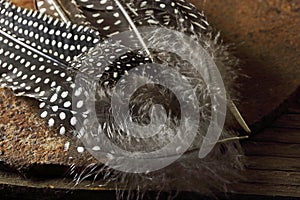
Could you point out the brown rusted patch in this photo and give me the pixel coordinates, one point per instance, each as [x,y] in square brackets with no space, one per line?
[265,35]
[267,40]
[25,139]
[25,3]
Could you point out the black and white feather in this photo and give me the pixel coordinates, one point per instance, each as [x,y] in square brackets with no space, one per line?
[106,16]
[66,10]
[41,55]
[36,51]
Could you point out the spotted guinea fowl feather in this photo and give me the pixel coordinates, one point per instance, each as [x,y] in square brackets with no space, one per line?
[36,51]
[106,16]
[44,64]
[61,41]
[66,10]
[58,110]
[176,14]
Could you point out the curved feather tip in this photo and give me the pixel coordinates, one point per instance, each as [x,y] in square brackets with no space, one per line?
[142,88]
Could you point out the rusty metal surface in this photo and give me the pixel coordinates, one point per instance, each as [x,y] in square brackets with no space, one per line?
[272,170]
[26,142]
[25,3]
[266,37]
[25,138]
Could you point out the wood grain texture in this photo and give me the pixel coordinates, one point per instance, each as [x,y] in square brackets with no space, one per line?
[268,190]
[268,42]
[291,121]
[273,158]
[272,163]
[272,149]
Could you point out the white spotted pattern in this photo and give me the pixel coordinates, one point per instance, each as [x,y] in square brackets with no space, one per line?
[49,7]
[176,14]
[35,52]
[50,78]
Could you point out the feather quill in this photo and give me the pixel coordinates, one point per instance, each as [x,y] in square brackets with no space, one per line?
[109,18]
[36,51]
[42,62]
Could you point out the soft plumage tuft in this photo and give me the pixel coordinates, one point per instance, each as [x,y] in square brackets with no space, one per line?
[207,176]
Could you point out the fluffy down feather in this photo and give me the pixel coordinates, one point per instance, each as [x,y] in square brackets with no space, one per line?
[208,175]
